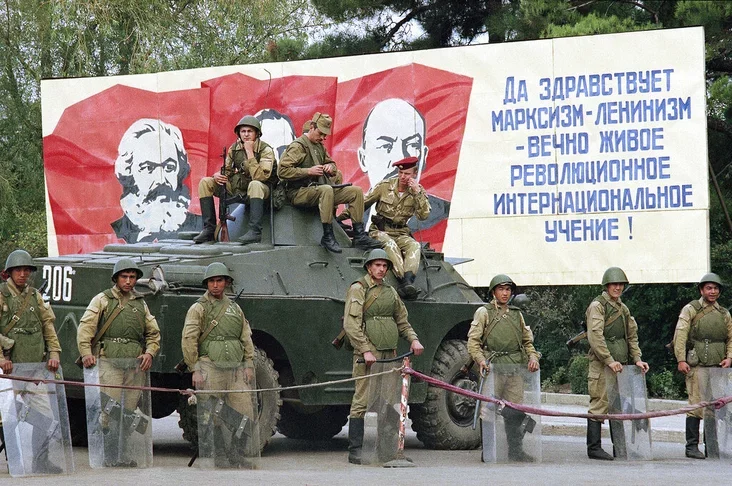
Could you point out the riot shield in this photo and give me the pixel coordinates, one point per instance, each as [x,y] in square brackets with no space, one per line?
[381,422]
[228,427]
[36,423]
[119,421]
[716,383]
[626,393]
[508,434]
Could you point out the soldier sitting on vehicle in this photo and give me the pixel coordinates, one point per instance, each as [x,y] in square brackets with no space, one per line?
[249,166]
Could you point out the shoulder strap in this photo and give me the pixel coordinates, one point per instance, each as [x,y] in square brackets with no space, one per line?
[493,322]
[372,298]
[16,317]
[700,312]
[213,323]
[106,325]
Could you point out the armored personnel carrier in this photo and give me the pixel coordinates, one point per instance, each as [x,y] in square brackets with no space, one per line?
[291,290]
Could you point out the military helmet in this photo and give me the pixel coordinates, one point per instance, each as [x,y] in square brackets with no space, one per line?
[377,254]
[125,264]
[614,275]
[501,279]
[711,278]
[216,269]
[19,258]
[249,121]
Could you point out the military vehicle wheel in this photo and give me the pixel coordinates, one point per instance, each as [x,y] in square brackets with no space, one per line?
[77,421]
[312,423]
[269,404]
[444,420]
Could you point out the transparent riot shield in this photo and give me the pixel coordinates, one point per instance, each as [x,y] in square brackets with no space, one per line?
[716,383]
[36,423]
[119,421]
[508,434]
[381,422]
[228,427]
[626,393]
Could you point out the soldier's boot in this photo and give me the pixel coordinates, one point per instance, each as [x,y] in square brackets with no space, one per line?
[362,240]
[594,441]
[692,438]
[406,289]
[40,442]
[125,459]
[617,436]
[221,455]
[254,234]
[208,214]
[514,437]
[355,439]
[328,241]
[711,444]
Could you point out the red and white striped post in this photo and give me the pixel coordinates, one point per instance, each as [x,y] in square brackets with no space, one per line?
[401,460]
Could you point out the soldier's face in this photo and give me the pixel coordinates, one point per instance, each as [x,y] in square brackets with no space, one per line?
[710,292]
[377,269]
[20,276]
[315,135]
[126,280]
[406,175]
[615,290]
[502,293]
[216,286]
[247,133]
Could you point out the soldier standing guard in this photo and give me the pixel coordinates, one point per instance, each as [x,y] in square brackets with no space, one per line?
[117,325]
[218,348]
[613,336]
[499,335]
[397,199]
[374,319]
[249,166]
[703,338]
[27,330]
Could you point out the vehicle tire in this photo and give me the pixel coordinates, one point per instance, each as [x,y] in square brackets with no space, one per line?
[269,404]
[312,423]
[444,420]
[77,421]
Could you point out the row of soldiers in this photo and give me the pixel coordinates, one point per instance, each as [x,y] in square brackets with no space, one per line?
[117,327]
[702,339]
[310,177]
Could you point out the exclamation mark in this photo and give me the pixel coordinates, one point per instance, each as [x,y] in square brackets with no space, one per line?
[630,227]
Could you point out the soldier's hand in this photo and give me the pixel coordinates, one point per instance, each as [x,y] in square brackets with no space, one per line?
[53,365]
[6,365]
[316,170]
[642,365]
[369,358]
[89,360]
[683,367]
[616,366]
[413,186]
[220,179]
[533,365]
[416,347]
[330,169]
[197,379]
[145,361]
[249,147]
[485,367]
[249,375]
[725,363]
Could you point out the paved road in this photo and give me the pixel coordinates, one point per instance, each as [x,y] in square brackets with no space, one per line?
[288,461]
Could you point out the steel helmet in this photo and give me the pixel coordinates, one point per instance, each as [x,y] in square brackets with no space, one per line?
[216,269]
[249,121]
[711,278]
[501,279]
[125,264]
[19,258]
[377,254]
[614,275]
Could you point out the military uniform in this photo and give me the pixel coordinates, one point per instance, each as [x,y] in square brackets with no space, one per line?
[613,336]
[247,176]
[132,333]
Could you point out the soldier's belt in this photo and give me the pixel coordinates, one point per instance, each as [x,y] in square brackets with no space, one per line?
[130,420]
[26,330]
[224,338]
[120,340]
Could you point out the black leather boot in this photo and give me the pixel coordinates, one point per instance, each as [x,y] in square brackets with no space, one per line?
[40,442]
[617,436]
[594,441]
[692,438]
[711,442]
[406,289]
[515,431]
[362,240]
[208,213]
[355,440]
[256,210]
[328,240]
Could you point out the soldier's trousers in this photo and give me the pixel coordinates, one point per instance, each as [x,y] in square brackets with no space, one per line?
[696,392]
[360,401]
[597,388]
[112,375]
[207,187]
[327,198]
[403,250]
[227,379]
[509,387]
